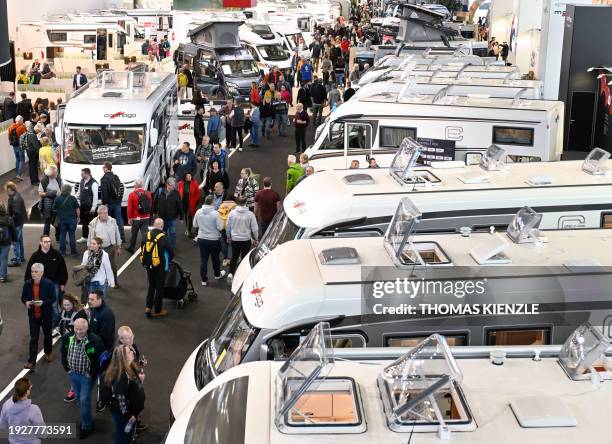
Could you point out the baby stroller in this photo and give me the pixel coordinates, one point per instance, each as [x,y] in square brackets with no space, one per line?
[178,286]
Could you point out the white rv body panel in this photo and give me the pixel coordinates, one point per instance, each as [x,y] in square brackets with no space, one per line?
[261,51]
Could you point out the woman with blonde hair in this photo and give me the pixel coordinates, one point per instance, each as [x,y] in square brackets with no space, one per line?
[122,389]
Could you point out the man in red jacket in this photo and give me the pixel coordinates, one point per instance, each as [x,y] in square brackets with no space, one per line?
[139,208]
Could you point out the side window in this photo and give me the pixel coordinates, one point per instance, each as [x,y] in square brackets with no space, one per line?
[253,53]
[352,340]
[453,340]
[518,336]
[513,136]
[334,140]
[391,137]
[89,39]
[606,220]
[359,137]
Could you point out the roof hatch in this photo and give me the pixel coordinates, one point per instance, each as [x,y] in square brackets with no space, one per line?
[358,179]
[339,256]
[402,166]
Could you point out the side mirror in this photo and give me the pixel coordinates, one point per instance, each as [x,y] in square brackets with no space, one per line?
[153,136]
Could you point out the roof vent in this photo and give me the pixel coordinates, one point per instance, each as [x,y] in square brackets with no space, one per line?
[358,179]
[111,94]
[339,256]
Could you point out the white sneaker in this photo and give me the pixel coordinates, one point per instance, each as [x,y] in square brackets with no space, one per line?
[81,240]
[203,284]
[230,278]
[221,275]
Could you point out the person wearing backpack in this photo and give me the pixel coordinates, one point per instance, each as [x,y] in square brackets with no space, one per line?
[111,190]
[156,254]
[8,235]
[139,209]
[15,131]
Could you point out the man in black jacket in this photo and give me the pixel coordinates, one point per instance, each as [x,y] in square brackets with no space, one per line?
[79,79]
[319,97]
[8,235]
[24,107]
[157,270]
[101,319]
[169,207]
[38,295]
[17,211]
[111,191]
[199,127]
[10,107]
[81,357]
[54,269]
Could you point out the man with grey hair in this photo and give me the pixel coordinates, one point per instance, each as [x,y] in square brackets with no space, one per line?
[32,145]
[169,208]
[139,207]
[107,229]
[38,295]
[15,131]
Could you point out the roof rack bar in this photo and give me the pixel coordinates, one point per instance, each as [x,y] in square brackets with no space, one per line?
[441,94]
[517,97]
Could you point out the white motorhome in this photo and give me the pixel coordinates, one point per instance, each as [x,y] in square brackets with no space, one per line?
[361,203]
[340,280]
[431,393]
[126,118]
[267,52]
[457,128]
[60,39]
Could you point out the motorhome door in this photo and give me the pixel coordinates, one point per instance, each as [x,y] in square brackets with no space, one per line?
[206,74]
[357,143]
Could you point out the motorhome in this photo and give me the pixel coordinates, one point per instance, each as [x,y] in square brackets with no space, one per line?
[460,127]
[124,117]
[267,52]
[69,39]
[361,203]
[343,281]
[222,67]
[426,394]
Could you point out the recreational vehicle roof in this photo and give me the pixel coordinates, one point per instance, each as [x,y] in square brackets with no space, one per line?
[73,26]
[320,290]
[216,33]
[306,210]
[488,389]
[112,96]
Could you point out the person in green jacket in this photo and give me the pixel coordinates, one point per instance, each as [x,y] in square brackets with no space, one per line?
[294,172]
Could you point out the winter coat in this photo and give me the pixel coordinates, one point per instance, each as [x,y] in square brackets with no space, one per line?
[16,209]
[294,173]
[194,194]
[55,266]
[6,222]
[168,206]
[102,323]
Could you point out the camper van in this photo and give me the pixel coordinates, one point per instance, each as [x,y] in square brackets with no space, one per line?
[267,52]
[124,117]
[427,394]
[361,203]
[69,39]
[458,128]
[222,67]
[362,286]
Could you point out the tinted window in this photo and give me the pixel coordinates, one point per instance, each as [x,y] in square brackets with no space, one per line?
[89,38]
[606,220]
[393,136]
[515,336]
[58,36]
[413,340]
[513,136]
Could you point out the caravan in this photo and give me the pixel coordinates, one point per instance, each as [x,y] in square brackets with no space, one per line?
[457,128]
[349,281]
[127,118]
[361,203]
[266,49]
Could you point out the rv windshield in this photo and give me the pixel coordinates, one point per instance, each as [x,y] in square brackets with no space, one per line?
[272,52]
[231,339]
[121,145]
[239,68]
[281,230]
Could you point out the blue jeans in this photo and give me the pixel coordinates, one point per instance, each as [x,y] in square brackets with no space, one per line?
[281,122]
[170,230]
[68,226]
[267,124]
[255,133]
[114,211]
[120,422]
[4,254]
[95,285]
[82,385]
[18,253]
[19,160]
